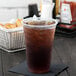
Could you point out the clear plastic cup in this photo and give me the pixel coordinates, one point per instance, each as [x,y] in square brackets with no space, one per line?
[39,39]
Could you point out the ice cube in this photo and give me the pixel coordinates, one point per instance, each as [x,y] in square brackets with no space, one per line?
[35,17]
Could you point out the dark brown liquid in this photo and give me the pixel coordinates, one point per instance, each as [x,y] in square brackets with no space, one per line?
[38,49]
[40,22]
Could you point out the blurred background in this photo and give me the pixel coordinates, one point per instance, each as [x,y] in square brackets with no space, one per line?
[10,9]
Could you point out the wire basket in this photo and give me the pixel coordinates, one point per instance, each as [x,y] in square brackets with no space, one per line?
[12,40]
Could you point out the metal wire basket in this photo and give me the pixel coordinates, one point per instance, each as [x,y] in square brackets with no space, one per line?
[12,39]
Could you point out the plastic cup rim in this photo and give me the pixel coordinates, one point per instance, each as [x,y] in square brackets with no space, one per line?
[38,26]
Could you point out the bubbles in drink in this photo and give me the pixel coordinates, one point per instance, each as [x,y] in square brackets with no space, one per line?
[40,23]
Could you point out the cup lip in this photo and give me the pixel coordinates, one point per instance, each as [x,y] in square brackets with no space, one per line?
[38,26]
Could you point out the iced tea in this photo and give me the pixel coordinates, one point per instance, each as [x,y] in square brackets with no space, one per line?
[39,36]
